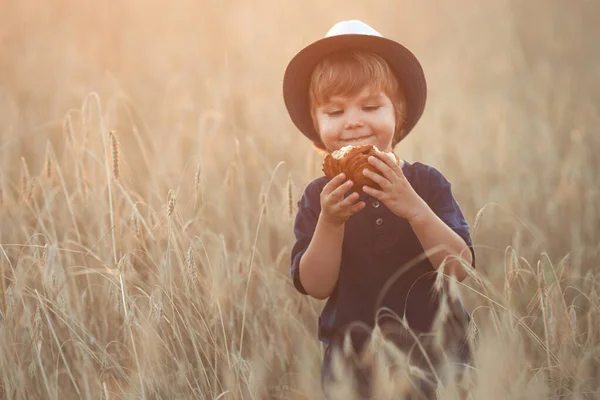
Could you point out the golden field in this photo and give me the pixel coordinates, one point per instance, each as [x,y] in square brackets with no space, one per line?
[154,262]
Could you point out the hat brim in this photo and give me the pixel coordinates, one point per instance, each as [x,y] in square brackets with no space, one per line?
[402,61]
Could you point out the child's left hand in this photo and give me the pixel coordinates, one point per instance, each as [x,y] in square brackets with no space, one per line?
[396,192]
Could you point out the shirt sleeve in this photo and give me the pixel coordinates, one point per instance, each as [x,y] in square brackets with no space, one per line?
[443,203]
[309,208]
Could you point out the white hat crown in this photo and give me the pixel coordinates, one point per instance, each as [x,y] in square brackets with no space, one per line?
[352,27]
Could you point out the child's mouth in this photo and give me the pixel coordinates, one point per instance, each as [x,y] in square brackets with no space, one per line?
[357,139]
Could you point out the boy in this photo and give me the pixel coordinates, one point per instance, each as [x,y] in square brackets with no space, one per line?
[366,253]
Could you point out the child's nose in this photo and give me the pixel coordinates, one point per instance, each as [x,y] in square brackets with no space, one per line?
[353,120]
[353,124]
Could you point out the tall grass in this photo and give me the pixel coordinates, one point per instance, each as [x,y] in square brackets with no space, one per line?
[149,179]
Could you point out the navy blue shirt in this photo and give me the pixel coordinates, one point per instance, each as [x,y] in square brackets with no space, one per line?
[378,245]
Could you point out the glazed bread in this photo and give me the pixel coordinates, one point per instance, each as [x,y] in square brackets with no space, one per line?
[351,160]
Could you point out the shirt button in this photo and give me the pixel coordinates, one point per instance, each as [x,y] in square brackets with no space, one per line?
[379,221]
[375,204]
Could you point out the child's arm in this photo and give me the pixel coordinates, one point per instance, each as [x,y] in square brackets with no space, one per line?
[432,219]
[433,232]
[319,266]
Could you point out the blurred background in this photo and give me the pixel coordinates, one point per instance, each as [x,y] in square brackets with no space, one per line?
[513,88]
[192,90]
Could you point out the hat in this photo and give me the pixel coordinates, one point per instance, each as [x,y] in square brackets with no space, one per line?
[352,35]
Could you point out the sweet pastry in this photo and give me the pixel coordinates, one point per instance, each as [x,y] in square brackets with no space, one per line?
[352,160]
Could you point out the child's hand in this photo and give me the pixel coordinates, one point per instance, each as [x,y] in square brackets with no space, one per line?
[396,192]
[336,209]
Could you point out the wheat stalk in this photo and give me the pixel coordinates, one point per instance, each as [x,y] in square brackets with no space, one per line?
[156,305]
[29,195]
[197,184]
[6,295]
[509,280]
[85,185]
[171,204]
[543,298]
[190,273]
[135,221]
[290,196]
[68,129]
[48,163]
[31,369]
[115,154]
[573,322]
[1,190]
[197,177]
[25,177]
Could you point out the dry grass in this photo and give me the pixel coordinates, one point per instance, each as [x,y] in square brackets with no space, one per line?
[153,262]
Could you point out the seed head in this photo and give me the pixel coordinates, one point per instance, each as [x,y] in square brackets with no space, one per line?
[197,177]
[190,273]
[172,202]
[115,154]
[290,197]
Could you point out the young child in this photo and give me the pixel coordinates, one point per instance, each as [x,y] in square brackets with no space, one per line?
[364,253]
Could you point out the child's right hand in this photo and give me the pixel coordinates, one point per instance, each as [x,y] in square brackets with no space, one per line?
[335,209]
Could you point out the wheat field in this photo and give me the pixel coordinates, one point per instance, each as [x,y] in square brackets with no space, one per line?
[149,176]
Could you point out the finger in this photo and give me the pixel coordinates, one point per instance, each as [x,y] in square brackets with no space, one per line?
[357,207]
[352,208]
[349,200]
[333,183]
[385,169]
[377,178]
[378,194]
[338,193]
[394,165]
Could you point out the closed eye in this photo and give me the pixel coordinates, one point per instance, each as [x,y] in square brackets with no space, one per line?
[371,108]
[333,113]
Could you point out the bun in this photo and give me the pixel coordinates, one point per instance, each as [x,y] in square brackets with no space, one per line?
[352,160]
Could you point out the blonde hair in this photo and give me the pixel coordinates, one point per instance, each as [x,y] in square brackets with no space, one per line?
[347,73]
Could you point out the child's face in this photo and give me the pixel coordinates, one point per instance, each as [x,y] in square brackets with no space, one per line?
[365,118]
